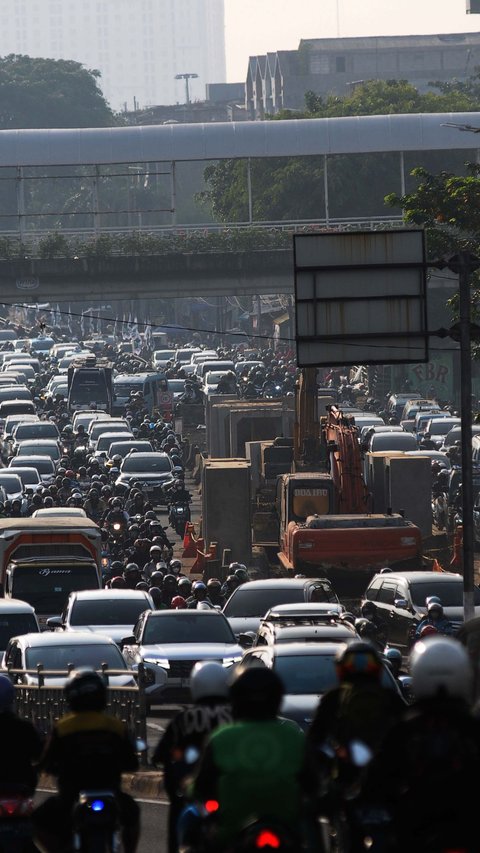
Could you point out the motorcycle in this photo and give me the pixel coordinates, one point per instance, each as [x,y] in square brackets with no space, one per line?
[15,827]
[197,833]
[440,510]
[178,515]
[96,823]
[273,391]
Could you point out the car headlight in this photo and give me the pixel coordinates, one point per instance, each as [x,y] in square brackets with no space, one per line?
[231,660]
[163,662]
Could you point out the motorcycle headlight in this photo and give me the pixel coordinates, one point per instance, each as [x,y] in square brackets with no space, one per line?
[116,526]
[231,660]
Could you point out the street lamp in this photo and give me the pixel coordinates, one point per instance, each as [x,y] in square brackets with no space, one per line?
[186,77]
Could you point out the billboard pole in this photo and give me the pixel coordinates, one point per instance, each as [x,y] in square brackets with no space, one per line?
[464,263]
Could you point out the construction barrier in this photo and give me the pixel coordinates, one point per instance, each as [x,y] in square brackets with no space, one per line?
[43,705]
[189,541]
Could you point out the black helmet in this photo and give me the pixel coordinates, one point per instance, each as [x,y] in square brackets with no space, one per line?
[130,568]
[366,629]
[156,578]
[150,515]
[170,583]
[117,567]
[85,691]
[241,573]
[255,693]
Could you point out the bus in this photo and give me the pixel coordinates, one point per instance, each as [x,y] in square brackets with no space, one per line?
[152,385]
[90,382]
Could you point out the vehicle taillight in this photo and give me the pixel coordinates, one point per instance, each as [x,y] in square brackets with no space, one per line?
[212,806]
[15,807]
[267,839]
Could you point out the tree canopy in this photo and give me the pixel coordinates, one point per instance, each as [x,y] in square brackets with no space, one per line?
[50,93]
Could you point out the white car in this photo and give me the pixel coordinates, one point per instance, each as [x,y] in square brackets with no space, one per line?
[170,642]
[112,612]
[16,618]
[57,652]
[59,512]
[44,465]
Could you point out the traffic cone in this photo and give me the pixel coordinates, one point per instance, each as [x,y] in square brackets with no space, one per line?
[189,543]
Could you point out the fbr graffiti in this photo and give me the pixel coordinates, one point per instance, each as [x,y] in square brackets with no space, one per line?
[433,371]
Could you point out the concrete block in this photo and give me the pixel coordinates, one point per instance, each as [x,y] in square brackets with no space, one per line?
[253,452]
[409,488]
[375,477]
[226,507]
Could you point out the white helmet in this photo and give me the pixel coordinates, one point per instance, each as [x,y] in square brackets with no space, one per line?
[440,665]
[208,679]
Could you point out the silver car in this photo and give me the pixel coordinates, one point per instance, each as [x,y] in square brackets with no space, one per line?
[168,643]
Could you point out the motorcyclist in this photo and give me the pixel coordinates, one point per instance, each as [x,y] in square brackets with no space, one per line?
[132,575]
[169,589]
[94,506]
[370,611]
[180,747]
[87,749]
[214,592]
[435,617]
[21,748]
[421,775]
[253,766]
[199,595]
[155,558]
[230,584]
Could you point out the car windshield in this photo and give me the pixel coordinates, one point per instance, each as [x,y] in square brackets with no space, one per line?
[107,611]
[441,427]
[143,465]
[306,673]
[15,624]
[256,602]
[11,483]
[450,593]
[123,389]
[97,430]
[51,450]
[122,448]
[176,385]
[36,430]
[60,657]
[104,441]
[47,589]
[28,476]
[187,628]
[43,466]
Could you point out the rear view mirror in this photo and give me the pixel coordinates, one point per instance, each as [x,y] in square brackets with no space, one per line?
[401,603]
[54,622]
[246,640]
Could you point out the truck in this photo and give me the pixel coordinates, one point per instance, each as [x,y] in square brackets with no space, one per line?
[42,560]
[90,383]
[323,508]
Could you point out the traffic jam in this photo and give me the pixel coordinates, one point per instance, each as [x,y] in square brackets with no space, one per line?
[232,594]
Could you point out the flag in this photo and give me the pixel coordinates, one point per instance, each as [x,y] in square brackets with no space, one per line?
[52,317]
[115,331]
[90,327]
[99,324]
[82,325]
[69,319]
[58,316]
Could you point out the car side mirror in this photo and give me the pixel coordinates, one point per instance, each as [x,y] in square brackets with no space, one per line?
[128,641]
[401,603]
[54,622]
[246,640]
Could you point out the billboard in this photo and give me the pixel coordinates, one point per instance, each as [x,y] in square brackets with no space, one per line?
[360,298]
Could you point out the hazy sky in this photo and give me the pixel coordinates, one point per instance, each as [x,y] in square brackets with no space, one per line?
[257,26]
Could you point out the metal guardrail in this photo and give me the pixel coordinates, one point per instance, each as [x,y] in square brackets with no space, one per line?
[43,704]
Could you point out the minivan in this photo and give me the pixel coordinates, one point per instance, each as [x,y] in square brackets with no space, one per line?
[205,366]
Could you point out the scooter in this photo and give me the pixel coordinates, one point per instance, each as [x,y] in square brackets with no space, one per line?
[16,807]
[178,515]
[96,823]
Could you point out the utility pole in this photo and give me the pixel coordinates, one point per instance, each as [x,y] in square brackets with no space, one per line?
[463,264]
[186,77]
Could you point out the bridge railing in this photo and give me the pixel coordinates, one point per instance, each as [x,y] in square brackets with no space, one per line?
[164,239]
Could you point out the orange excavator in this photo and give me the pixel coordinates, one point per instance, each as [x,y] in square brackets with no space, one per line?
[324,508]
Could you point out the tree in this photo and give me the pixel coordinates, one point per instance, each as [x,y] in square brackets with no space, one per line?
[50,93]
[293,188]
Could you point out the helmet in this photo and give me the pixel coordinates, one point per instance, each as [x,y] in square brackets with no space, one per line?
[150,515]
[142,585]
[199,586]
[435,607]
[214,583]
[116,566]
[156,578]
[155,551]
[394,659]
[208,680]
[7,693]
[85,691]
[184,586]
[178,603]
[428,630]
[130,568]
[117,583]
[241,573]
[440,665]
[368,609]
[255,693]
[170,582]
[358,659]
[233,566]
[176,567]
[366,629]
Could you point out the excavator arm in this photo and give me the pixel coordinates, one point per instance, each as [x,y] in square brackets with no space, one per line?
[343,448]
[307,447]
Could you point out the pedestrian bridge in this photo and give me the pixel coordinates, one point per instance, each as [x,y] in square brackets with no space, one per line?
[58,250]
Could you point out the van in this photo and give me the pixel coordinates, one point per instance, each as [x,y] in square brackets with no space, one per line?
[15,392]
[205,366]
[152,385]
[396,402]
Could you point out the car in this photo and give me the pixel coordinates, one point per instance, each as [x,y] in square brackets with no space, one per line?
[396,402]
[33,431]
[112,612]
[39,447]
[152,470]
[211,380]
[16,618]
[242,366]
[30,478]
[437,429]
[434,456]
[42,345]
[15,392]
[56,653]
[171,642]
[455,435]
[307,671]
[12,485]
[44,465]
[176,387]
[316,623]
[400,600]
[85,417]
[411,408]
[107,424]
[124,446]
[105,440]
[161,357]
[385,441]
[250,601]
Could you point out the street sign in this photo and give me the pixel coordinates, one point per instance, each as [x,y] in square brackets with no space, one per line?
[360,298]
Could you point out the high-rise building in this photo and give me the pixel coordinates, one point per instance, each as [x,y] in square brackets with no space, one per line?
[139,46]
